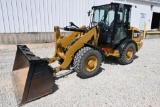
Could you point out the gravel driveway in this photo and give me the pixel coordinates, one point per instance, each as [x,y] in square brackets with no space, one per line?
[136,84]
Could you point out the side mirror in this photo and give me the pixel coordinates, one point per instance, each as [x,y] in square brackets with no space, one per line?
[89,13]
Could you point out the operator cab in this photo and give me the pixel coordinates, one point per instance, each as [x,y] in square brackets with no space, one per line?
[114,22]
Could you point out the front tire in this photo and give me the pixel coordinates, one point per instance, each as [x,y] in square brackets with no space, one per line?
[127,55]
[87,62]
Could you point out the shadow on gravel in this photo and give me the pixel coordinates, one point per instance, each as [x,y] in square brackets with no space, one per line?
[100,70]
[64,75]
[136,57]
[110,60]
[113,61]
[55,87]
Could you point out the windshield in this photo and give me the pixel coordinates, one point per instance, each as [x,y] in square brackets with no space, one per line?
[98,15]
[103,13]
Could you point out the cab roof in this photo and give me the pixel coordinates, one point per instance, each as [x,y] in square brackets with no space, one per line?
[110,4]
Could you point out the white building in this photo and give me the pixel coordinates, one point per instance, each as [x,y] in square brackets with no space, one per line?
[144,11]
[23,16]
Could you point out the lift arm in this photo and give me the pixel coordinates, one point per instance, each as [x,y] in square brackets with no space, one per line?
[62,43]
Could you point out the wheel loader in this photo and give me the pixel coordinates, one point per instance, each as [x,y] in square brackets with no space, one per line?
[108,34]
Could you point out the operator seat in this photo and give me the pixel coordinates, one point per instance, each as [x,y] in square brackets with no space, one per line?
[118,21]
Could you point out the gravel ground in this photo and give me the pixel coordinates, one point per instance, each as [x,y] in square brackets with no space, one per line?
[136,84]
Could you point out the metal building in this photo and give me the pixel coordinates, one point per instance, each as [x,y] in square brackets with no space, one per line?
[144,12]
[29,18]
[42,15]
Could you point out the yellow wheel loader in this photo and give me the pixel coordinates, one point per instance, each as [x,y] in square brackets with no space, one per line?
[109,34]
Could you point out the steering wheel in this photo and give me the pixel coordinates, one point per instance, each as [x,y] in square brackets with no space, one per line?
[103,25]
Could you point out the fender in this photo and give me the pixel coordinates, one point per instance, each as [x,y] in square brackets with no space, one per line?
[97,48]
[124,43]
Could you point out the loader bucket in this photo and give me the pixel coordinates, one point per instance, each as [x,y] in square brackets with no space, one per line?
[32,76]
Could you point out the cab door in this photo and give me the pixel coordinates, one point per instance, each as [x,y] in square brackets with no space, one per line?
[122,23]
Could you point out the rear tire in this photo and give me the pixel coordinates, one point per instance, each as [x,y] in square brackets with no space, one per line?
[87,62]
[128,54]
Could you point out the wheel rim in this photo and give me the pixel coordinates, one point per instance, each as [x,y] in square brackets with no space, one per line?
[91,63]
[129,54]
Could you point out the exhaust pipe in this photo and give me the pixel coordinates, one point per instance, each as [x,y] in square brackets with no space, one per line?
[32,76]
